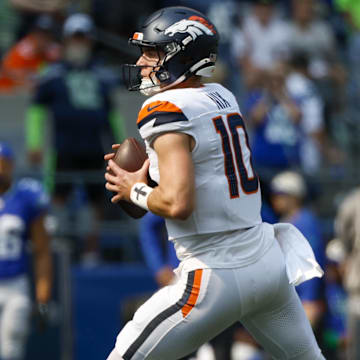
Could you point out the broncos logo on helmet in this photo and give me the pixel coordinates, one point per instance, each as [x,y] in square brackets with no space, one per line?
[193,27]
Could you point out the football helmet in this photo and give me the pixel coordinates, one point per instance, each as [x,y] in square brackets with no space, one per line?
[186,43]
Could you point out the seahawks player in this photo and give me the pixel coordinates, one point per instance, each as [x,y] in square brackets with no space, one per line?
[23,206]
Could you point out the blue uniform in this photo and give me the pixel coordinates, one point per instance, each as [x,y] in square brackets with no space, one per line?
[307,223]
[19,206]
[157,250]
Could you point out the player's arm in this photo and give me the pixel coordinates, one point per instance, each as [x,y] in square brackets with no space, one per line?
[174,197]
[42,260]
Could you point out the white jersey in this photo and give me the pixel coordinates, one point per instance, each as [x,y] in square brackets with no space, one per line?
[227,188]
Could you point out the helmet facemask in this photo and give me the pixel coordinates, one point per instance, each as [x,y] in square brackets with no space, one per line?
[159,78]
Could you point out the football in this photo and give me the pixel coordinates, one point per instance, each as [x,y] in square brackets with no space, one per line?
[130,156]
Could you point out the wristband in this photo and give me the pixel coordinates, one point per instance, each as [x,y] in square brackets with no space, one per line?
[139,194]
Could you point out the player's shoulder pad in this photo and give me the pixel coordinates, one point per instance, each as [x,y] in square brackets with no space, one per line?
[161,110]
[33,190]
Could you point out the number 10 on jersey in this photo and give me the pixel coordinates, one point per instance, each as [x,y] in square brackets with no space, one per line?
[244,170]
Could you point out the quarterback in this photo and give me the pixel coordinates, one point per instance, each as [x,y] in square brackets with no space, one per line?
[232,267]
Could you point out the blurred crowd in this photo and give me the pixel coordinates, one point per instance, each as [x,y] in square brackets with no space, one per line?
[295,69]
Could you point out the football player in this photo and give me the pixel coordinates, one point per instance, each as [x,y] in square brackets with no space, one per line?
[231,265]
[23,206]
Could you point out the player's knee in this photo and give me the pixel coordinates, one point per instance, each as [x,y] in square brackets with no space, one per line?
[114,356]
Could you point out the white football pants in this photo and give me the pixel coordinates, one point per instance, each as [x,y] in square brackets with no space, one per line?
[179,318]
[15,308]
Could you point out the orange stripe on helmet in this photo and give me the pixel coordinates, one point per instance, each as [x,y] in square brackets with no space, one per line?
[204,22]
[157,106]
[195,291]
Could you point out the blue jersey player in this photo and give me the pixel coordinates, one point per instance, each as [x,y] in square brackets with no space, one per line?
[23,206]
[288,195]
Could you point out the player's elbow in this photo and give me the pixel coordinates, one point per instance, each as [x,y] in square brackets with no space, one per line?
[181,211]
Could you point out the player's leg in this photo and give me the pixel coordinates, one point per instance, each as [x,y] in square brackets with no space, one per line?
[277,319]
[179,318]
[114,355]
[15,321]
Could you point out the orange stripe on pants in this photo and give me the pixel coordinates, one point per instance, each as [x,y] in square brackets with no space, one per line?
[194,294]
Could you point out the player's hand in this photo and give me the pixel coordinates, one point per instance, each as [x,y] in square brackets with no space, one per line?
[42,316]
[109,156]
[165,276]
[121,181]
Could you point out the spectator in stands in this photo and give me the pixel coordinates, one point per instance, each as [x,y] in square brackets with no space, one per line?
[26,58]
[303,90]
[224,15]
[316,145]
[350,9]
[288,195]
[274,118]
[23,207]
[77,93]
[264,42]
[313,36]
[347,229]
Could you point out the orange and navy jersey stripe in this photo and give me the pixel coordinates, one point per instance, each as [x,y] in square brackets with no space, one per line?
[163,111]
[185,305]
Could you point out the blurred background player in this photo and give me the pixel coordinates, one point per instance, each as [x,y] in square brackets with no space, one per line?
[159,253]
[288,195]
[334,334]
[77,94]
[23,207]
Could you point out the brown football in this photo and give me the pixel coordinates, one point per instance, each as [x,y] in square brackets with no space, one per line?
[130,156]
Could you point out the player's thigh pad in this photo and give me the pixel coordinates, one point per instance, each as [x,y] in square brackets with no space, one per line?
[275,315]
[179,318]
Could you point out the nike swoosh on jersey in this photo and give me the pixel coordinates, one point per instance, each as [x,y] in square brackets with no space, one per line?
[150,108]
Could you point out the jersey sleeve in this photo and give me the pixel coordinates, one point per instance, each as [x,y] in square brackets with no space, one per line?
[158,117]
[37,200]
